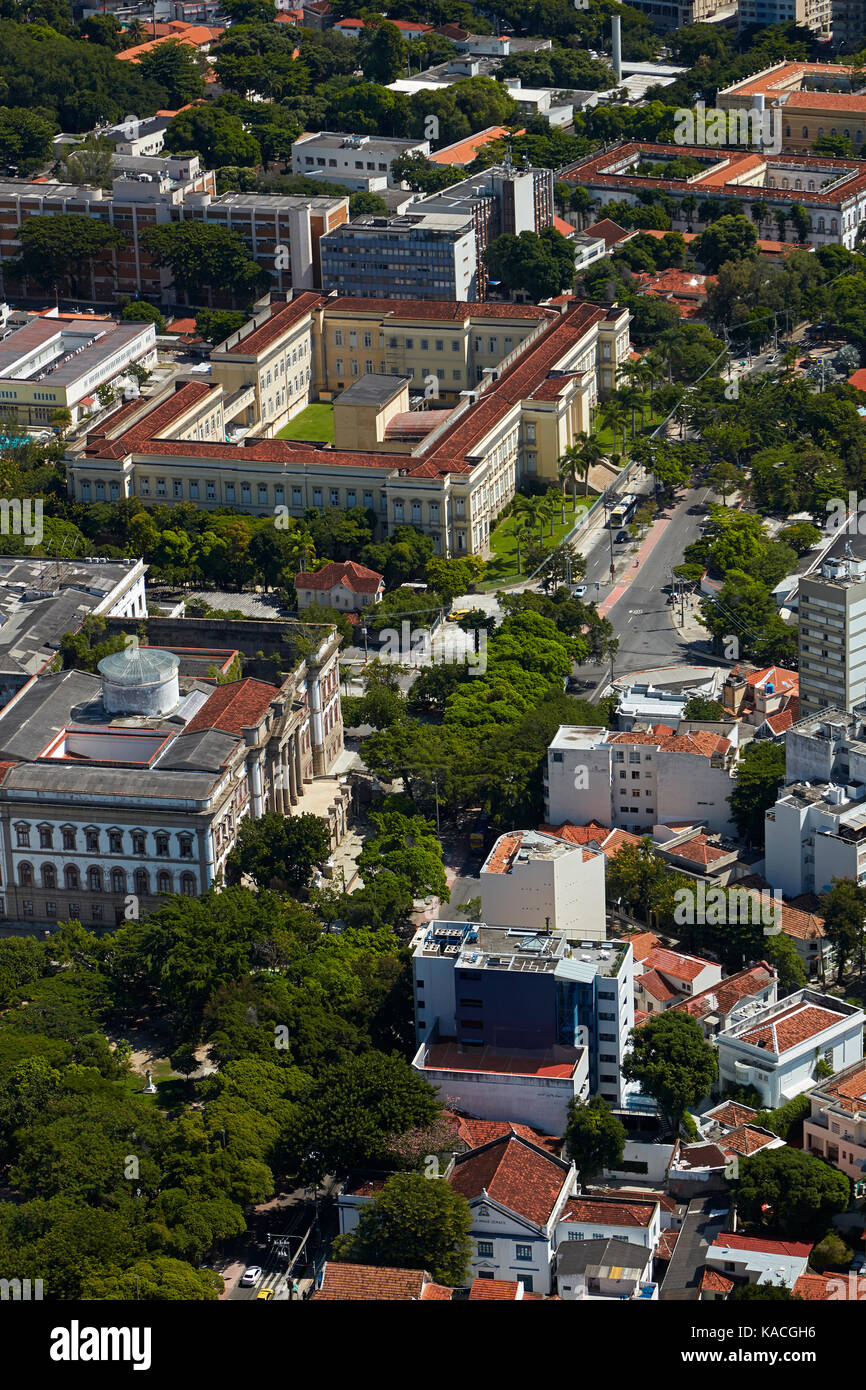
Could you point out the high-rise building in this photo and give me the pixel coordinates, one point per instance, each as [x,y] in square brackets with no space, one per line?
[832,635]
[420,255]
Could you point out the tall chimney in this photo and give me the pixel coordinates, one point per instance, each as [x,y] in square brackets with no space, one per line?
[616,32]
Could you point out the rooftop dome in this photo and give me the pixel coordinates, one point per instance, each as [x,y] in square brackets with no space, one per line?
[139,666]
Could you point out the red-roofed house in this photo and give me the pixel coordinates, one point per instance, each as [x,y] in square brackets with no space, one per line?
[486,1290]
[778,1050]
[730,1000]
[375,1284]
[591,1217]
[516,1193]
[347,586]
[758,1260]
[670,976]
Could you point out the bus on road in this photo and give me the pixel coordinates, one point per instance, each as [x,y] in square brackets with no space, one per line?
[622,511]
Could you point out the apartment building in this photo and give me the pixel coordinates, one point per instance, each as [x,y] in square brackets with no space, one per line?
[122,787]
[835,1129]
[816,830]
[59,363]
[764,186]
[453,475]
[674,14]
[360,162]
[805,14]
[831,628]
[499,199]
[640,779]
[419,255]
[281,233]
[496,1003]
[530,880]
[778,1049]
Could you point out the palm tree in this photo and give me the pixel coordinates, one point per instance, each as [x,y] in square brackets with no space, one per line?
[522,533]
[577,461]
[556,501]
[533,508]
[61,420]
[654,366]
[614,416]
[135,33]
[632,399]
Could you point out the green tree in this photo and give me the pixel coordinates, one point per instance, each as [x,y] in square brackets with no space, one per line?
[540,263]
[155,1278]
[215,134]
[415,1222]
[760,774]
[728,239]
[204,258]
[64,248]
[25,140]
[595,1138]
[215,325]
[672,1062]
[353,1113]
[831,1253]
[381,52]
[843,908]
[139,311]
[250,11]
[790,1193]
[700,707]
[279,849]
[178,68]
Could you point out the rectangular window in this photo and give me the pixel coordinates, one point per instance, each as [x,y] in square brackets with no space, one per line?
[523,1252]
[485,1249]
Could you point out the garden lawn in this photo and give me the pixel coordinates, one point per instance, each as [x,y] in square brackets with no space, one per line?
[314,423]
[502,567]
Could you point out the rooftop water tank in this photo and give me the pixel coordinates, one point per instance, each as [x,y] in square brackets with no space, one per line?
[140,681]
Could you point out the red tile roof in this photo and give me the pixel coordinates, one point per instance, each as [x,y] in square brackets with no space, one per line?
[714,1282]
[746,1140]
[731,1114]
[666,1243]
[464,151]
[791,1027]
[722,997]
[609,231]
[698,850]
[600,1212]
[369,1283]
[677,965]
[591,834]
[642,943]
[763,1244]
[655,986]
[446,1056]
[476,1132]
[445,310]
[849,1092]
[513,1173]
[817,1288]
[282,317]
[698,741]
[357,578]
[234,706]
[490,1290]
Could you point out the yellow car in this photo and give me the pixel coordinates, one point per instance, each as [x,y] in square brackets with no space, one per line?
[456,617]
[265,1293]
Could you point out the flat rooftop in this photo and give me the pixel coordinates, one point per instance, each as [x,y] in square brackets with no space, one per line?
[447,1056]
[62,351]
[40,600]
[373,388]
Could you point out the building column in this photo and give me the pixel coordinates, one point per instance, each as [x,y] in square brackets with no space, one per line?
[289,772]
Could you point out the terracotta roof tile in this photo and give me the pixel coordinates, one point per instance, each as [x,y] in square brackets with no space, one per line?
[673,963]
[513,1173]
[722,997]
[357,578]
[714,1282]
[584,1210]
[763,1244]
[652,984]
[698,741]
[746,1140]
[731,1114]
[490,1290]
[791,1027]
[234,706]
[371,1283]
[476,1132]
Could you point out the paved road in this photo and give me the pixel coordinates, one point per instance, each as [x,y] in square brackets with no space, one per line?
[636,604]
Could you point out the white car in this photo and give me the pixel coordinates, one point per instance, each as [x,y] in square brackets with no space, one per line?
[251,1276]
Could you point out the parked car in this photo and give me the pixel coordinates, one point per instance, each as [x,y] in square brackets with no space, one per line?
[251,1276]
[578,591]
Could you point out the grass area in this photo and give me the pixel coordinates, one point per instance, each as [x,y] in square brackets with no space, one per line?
[503,566]
[604,436]
[314,423]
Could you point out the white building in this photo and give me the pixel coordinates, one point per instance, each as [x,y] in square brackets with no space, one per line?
[347,586]
[537,881]
[591,1217]
[605,1269]
[756,1260]
[516,1193]
[832,636]
[359,162]
[59,363]
[778,1050]
[637,780]
[816,831]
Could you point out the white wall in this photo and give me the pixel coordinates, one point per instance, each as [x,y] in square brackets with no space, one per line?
[541,1102]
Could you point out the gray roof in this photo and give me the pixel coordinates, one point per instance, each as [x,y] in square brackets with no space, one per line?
[596,1258]
[81,347]
[206,750]
[113,783]
[373,389]
[40,600]
[46,708]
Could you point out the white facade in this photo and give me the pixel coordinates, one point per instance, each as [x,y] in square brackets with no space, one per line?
[778,1050]
[537,881]
[526,1098]
[832,636]
[760,1262]
[363,159]
[635,781]
[589,1217]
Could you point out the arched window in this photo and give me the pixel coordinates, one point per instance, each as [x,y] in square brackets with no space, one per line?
[49,876]
[94,880]
[787,132]
[834,224]
[163,881]
[799,184]
[25,875]
[187,885]
[821,227]
[805,132]
[118,881]
[142,882]
[71,876]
